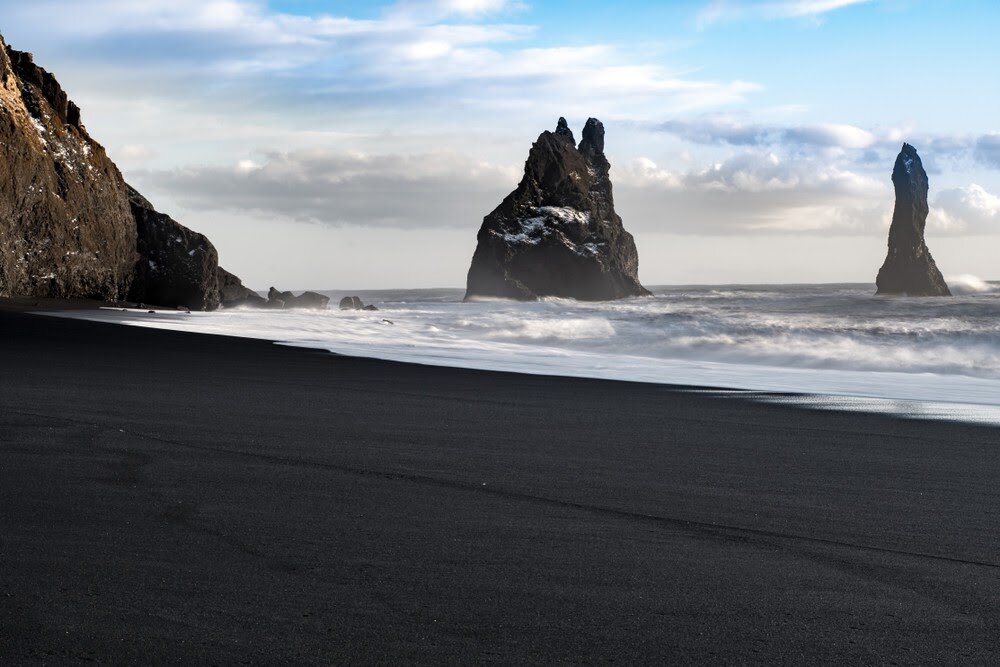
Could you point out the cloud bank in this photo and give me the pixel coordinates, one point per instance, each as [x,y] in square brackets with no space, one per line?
[434,190]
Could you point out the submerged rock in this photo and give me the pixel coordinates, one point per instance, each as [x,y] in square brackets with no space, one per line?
[557,234]
[65,226]
[176,266]
[909,268]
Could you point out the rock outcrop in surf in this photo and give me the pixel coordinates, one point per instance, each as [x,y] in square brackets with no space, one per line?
[70,227]
[557,234]
[312,300]
[355,303]
[233,293]
[65,225]
[909,268]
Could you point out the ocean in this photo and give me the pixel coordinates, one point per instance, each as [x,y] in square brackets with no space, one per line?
[826,346]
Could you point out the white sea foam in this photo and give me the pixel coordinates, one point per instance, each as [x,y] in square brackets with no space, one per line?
[831,340]
[970,284]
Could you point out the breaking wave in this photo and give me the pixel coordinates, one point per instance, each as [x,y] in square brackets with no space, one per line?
[829,339]
[970,284]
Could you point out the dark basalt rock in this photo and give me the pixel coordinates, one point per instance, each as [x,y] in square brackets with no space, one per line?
[65,226]
[176,266]
[557,234]
[355,303]
[351,303]
[274,294]
[909,268]
[562,130]
[311,300]
[69,225]
[233,293]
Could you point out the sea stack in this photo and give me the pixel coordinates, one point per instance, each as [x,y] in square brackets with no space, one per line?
[909,268]
[557,234]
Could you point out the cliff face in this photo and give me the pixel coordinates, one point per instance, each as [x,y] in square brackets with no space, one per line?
[557,234]
[65,225]
[175,266]
[69,224]
[909,268]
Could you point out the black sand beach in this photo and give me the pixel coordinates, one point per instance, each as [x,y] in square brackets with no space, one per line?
[180,497]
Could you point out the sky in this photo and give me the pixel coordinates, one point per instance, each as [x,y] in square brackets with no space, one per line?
[328,144]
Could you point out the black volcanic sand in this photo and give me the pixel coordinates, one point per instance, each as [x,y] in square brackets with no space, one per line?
[180,497]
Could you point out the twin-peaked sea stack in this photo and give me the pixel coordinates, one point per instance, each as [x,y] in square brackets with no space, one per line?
[557,234]
[909,268]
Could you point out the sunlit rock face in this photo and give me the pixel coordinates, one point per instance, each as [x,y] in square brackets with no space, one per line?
[909,268]
[557,234]
[70,227]
[65,226]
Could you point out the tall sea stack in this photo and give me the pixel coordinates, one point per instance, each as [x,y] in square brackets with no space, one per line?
[557,234]
[909,268]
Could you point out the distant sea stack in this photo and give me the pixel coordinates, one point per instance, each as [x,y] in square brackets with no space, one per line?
[909,268]
[70,227]
[557,234]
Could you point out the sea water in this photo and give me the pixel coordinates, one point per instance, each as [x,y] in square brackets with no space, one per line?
[832,345]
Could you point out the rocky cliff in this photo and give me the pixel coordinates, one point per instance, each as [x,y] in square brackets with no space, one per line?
[909,268]
[557,234]
[175,266]
[65,225]
[69,224]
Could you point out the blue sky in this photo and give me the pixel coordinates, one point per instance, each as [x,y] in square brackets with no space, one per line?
[330,144]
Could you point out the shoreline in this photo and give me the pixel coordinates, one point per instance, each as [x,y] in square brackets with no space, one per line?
[202,498]
[942,397]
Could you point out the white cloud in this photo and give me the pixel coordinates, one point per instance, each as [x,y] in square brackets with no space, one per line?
[439,9]
[755,192]
[721,129]
[987,150]
[413,54]
[730,10]
[131,154]
[792,8]
[966,210]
